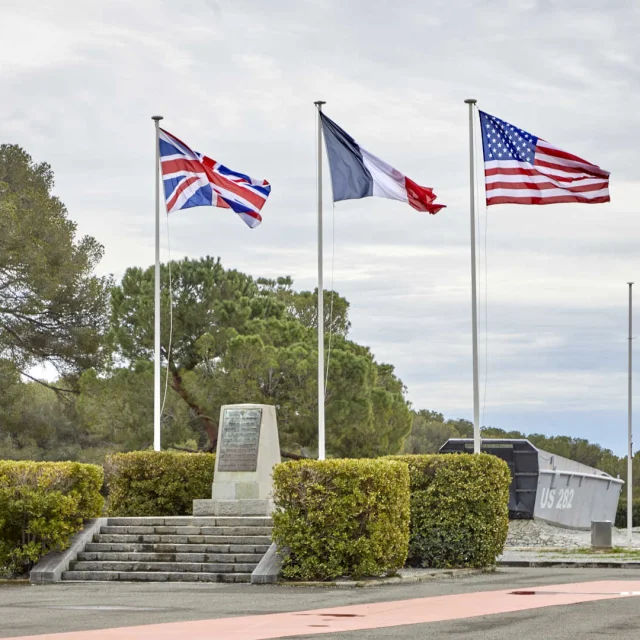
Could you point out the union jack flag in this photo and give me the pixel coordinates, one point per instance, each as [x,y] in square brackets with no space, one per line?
[194,180]
[521,168]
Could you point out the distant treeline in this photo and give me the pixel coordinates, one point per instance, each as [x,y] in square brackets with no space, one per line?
[430,430]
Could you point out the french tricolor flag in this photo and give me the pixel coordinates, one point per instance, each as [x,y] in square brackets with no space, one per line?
[356,173]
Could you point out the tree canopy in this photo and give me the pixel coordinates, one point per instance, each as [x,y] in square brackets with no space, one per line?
[430,430]
[52,306]
[235,339]
[227,338]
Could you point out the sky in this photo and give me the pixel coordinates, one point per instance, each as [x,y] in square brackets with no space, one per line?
[237,79]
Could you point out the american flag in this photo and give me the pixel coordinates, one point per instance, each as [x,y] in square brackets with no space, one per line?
[194,180]
[520,168]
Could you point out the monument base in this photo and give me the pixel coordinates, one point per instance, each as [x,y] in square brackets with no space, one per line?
[262,508]
[248,449]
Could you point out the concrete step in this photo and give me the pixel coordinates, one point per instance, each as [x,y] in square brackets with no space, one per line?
[182,539]
[165,567]
[159,547]
[192,521]
[155,576]
[115,556]
[176,549]
[187,531]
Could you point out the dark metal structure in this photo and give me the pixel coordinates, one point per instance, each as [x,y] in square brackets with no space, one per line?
[522,458]
[549,487]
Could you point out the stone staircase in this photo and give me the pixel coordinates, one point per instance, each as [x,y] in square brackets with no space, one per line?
[177,549]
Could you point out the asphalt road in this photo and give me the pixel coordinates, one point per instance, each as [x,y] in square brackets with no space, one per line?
[30,610]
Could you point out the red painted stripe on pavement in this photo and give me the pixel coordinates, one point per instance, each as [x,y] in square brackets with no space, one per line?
[364,616]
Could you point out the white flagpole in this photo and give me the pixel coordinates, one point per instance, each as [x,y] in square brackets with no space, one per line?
[474,305]
[630,427]
[321,441]
[156,334]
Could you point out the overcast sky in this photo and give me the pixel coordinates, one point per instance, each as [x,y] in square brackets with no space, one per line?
[236,79]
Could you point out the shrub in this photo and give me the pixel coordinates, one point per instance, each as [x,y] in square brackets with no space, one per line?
[621,515]
[42,504]
[341,517]
[459,509]
[157,483]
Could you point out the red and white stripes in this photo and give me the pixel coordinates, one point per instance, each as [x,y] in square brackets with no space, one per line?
[554,177]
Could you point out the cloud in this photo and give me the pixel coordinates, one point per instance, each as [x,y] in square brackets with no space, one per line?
[237,80]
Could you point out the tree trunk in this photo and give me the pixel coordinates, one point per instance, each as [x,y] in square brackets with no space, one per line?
[209,424]
[292,456]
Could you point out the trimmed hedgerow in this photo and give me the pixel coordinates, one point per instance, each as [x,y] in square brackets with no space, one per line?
[341,517]
[42,504]
[459,509]
[157,483]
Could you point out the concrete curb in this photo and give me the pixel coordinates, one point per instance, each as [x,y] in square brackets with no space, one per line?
[382,582]
[53,565]
[571,564]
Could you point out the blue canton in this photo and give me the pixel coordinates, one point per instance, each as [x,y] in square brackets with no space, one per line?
[503,141]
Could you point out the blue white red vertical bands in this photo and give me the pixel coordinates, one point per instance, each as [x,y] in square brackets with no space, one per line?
[357,173]
[521,168]
[192,179]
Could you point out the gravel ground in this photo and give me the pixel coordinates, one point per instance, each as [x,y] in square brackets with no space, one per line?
[531,534]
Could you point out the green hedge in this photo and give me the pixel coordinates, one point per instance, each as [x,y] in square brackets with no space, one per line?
[621,515]
[157,483]
[42,504]
[341,517]
[459,509]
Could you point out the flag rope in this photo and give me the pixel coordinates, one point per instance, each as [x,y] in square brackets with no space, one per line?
[486,313]
[333,261]
[166,378]
[483,261]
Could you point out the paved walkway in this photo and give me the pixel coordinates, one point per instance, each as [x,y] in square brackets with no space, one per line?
[386,612]
[369,616]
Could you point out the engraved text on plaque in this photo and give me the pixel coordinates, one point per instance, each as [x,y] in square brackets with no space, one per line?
[240,437]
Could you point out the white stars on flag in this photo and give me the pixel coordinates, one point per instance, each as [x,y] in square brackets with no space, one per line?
[506,141]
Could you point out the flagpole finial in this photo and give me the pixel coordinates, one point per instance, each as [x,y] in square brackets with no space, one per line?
[319,103]
[157,118]
[470,101]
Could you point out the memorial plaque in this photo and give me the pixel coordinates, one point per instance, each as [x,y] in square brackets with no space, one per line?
[240,438]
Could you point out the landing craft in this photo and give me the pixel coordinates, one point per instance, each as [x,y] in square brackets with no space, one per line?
[549,487]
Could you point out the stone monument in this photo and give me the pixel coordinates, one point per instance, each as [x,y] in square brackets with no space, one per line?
[248,448]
